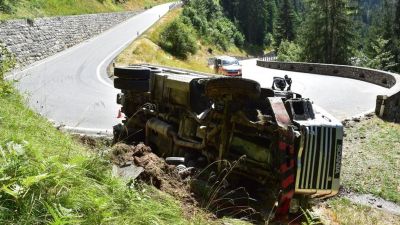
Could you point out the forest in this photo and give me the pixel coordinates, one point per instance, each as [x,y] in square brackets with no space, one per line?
[352,32]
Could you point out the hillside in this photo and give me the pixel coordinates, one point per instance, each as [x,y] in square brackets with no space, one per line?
[198,44]
[40,8]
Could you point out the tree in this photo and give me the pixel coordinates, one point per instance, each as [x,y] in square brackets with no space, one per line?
[382,59]
[177,38]
[286,24]
[250,16]
[327,33]
[396,32]
[383,46]
[207,17]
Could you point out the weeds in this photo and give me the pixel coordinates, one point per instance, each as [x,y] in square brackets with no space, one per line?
[46,177]
[221,200]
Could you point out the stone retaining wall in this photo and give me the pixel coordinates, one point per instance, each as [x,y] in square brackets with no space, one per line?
[387,106]
[377,77]
[35,39]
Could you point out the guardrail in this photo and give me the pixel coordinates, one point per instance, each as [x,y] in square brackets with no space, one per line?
[175,5]
[387,106]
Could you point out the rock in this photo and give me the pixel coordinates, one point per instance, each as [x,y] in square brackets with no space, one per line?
[128,172]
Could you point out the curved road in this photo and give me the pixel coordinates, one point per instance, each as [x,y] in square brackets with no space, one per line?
[72,88]
[342,97]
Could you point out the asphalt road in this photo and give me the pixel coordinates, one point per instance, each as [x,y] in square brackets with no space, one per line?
[72,88]
[342,97]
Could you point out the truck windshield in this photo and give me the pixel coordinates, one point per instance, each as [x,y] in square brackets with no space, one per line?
[227,62]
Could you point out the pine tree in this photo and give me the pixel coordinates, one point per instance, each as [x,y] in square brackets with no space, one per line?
[396,34]
[327,33]
[384,27]
[286,24]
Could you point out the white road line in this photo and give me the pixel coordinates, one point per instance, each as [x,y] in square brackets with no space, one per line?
[109,59]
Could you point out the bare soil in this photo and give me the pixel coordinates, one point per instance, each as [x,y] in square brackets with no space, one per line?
[158,174]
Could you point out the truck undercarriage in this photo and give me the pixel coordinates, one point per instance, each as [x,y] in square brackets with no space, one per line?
[278,136]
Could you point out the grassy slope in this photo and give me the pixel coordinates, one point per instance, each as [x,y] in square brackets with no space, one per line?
[342,211]
[371,162]
[146,50]
[371,159]
[40,8]
[46,177]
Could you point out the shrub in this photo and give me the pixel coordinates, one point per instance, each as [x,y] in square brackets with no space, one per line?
[178,39]
[289,52]
[6,6]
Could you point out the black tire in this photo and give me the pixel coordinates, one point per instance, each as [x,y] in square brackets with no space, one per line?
[133,73]
[133,85]
[236,87]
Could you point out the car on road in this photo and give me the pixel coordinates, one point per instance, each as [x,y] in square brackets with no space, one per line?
[228,66]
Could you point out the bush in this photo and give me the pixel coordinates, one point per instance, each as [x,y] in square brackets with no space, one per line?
[289,52]
[178,39]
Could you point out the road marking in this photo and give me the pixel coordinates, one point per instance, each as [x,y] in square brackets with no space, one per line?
[108,59]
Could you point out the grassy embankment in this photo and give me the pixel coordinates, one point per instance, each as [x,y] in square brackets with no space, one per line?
[47,177]
[147,49]
[371,162]
[41,8]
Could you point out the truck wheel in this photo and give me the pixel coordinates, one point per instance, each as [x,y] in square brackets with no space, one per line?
[133,85]
[134,73]
[236,87]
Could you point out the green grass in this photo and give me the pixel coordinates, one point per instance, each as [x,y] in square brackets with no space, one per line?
[147,49]
[41,8]
[47,177]
[342,211]
[371,159]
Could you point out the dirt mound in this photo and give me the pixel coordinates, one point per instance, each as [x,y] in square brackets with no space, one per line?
[156,172]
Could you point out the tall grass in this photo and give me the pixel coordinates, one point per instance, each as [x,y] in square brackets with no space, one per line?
[48,178]
[45,177]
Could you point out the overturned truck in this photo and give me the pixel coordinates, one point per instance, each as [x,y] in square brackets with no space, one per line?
[283,137]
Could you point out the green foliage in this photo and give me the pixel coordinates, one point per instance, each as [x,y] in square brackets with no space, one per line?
[379,58]
[207,17]
[254,17]
[8,6]
[289,52]
[178,39]
[285,29]
[47,178]
[327,34]
[382,46]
